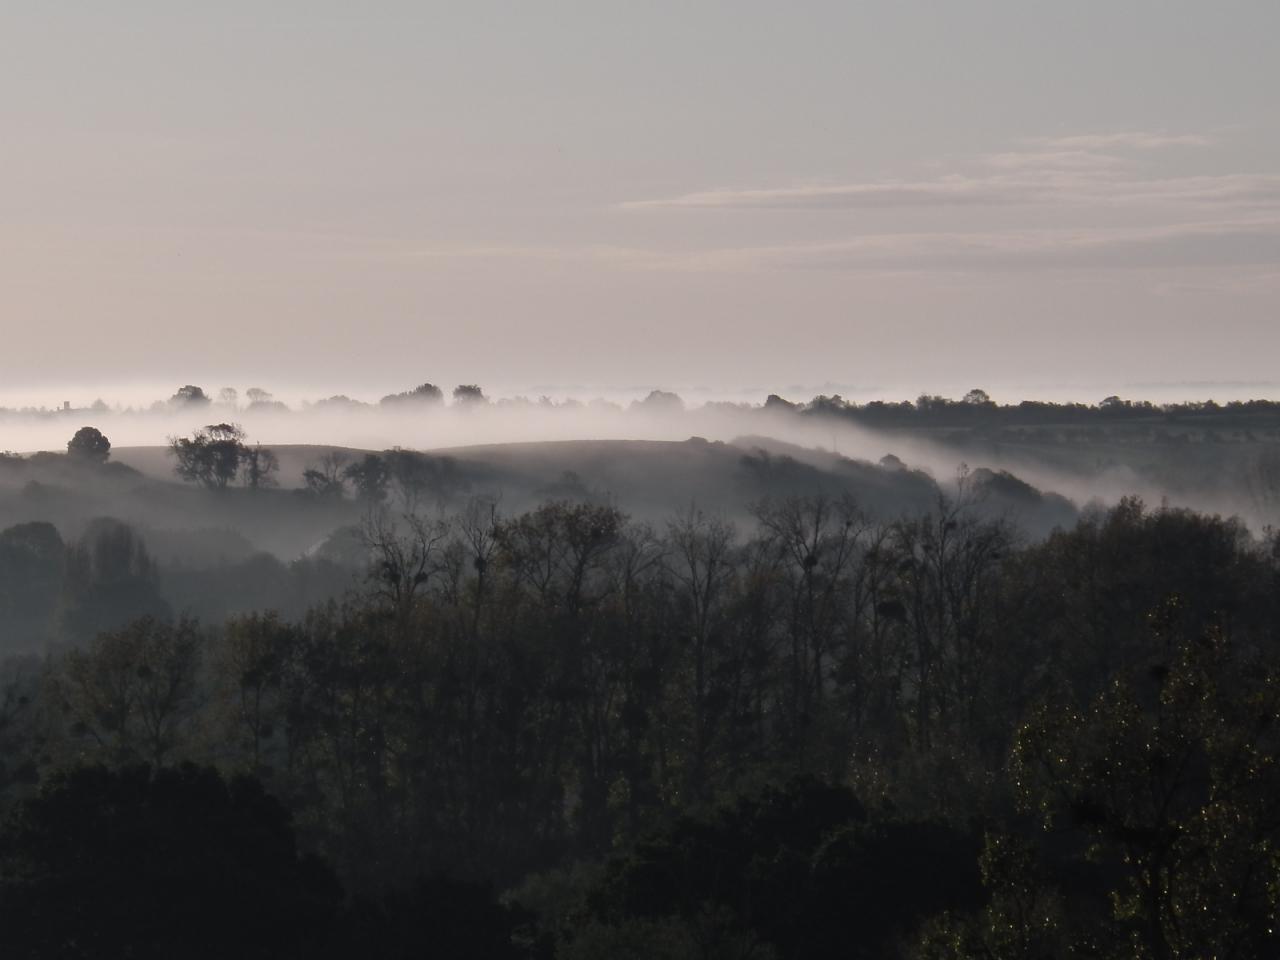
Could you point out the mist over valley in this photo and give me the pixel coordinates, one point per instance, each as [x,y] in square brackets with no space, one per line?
[579,481]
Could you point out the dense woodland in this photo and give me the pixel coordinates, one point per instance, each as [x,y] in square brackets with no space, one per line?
[822,730]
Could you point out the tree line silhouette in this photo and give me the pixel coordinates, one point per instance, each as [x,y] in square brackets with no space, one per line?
[975,409]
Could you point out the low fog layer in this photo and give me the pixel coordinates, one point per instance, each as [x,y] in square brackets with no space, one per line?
[1204,456]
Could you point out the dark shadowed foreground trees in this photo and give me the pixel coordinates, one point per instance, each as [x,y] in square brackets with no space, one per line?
[179,862]
[172,863]
[817,736]
[796,870]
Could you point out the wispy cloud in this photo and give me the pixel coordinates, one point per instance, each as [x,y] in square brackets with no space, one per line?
[1232,189]
[1073,171]
[1231,243]
[1023,182]
[944,191]
[1132,140]
[1052,160]
[1236,243]
[596,253]
[1090,204]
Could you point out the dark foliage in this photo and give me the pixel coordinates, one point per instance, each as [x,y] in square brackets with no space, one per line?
[820,735]
[90,444]
[169,863]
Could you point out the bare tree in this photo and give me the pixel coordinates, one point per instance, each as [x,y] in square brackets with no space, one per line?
[701,560]
[407,554]
[328,478]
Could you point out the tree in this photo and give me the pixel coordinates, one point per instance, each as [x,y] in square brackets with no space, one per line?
[370,477]
[660,401]
[417,476]
[189,396]
[423,393]
[259,467]
[89,444]
[32,562]
[110,579]
[977,398]
[467,394]
[327,479]
[702,566]
[228,396]
[251,664]
[406,557]
[212,455]
[258,395]
[1167,779]
[130,695]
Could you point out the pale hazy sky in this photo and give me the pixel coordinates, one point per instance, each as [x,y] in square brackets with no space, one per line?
[732,195]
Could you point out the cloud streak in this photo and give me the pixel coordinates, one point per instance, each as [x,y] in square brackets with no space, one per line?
[1235,243]
[1045,185]
[1249,243]
[1075,171]
[1132,140]
[1198,221]
[945,191]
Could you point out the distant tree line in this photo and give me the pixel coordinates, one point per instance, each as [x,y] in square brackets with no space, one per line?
[975,409]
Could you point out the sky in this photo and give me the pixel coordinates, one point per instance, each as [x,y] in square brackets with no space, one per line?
[718,198]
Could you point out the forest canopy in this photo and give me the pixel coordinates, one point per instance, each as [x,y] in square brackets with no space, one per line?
[561,731]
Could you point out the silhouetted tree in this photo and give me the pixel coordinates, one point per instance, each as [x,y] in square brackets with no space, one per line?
[211,456]
[370,476]
[260,467]
[326,480]
[189,396]
[110,579]
[32,563]
[467,394]
[90,444]
[427,393]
